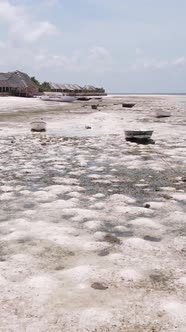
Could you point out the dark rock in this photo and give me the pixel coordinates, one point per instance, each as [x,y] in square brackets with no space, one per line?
[152,238]
[88,127]
[166,196]
[99,286]
[2,259]
[94,107]
[147,206]
[103,253]
[59,268]
[112,239]
[159,278]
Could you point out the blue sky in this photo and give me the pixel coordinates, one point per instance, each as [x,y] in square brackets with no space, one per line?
[122,45]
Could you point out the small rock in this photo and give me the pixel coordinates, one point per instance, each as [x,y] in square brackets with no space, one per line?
[2,259]
[98,286]
[147,206]
[111,239]
[152,238]
[59,268]
[166,196]
[103,253]
[88,127]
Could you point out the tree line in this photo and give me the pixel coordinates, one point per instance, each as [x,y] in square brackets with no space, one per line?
[45,86]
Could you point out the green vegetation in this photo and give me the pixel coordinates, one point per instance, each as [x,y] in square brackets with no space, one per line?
[45,86]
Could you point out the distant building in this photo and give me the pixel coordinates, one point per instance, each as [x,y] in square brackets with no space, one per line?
[17,84]
[65,88]
[74,89]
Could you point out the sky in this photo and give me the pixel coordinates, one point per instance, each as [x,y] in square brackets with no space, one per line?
[129,46]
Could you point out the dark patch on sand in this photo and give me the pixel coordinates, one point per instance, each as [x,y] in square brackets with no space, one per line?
[103,253]
[111,239]
[99,286]
[152,238]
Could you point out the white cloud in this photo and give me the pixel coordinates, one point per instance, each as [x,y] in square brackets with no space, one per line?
[179,61]
[154,64]
[99,53]
[8,12]
[96,58]
[21,25]
[37,30]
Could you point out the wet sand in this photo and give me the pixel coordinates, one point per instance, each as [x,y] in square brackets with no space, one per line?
[92,231]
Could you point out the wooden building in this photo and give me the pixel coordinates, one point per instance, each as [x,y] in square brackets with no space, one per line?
[65,88]
[17,84]
[76,90]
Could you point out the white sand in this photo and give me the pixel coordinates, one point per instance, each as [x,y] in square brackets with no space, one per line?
[92,228]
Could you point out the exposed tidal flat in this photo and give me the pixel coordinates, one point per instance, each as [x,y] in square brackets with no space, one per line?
[92,228]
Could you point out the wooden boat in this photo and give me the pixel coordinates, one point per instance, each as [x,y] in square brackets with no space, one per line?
[38,126]
[62,99]
[163,114]
[128,105]
[138,134]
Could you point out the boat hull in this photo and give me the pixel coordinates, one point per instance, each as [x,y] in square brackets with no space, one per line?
[65,99]
[163,114]
[139,134]
[38,126]
[128,105]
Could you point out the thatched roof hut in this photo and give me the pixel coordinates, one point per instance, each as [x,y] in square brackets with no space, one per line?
[17,83]
[75,89]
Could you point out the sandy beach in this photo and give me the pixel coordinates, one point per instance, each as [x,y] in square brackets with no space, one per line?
[93,228]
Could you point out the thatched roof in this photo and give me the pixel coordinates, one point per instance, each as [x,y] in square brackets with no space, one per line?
[16,79]
[89,88]
[70,87]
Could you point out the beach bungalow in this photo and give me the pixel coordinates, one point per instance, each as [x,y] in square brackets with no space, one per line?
[17,84]
[65,88]
[76,90]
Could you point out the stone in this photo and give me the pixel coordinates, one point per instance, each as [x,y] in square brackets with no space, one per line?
[112,239]
[99,286]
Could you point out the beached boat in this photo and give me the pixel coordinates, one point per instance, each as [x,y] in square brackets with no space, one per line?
[128,105]
[38,126]
[163,114]
[138,134]
[61,99]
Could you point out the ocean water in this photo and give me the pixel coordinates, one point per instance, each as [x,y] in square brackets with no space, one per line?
[146,94]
